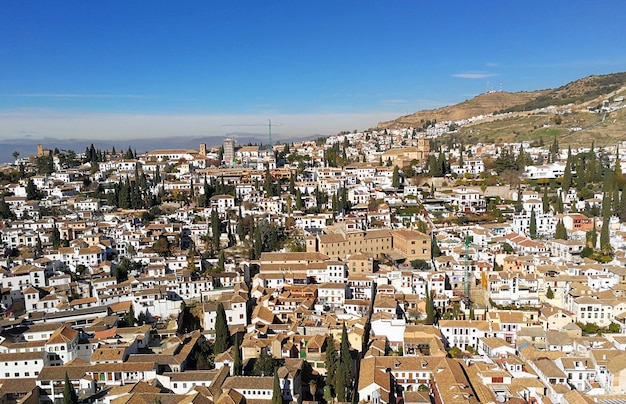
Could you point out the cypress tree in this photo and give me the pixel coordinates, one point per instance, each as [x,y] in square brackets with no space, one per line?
[395,181]
[592,235]
[222,335]
[240,228]
[38,248]
[605,237]
[621,209]
[237,364]
[436,251]
[258,242]
[331,360]
[292,184]
[215,230]
[55,237]
[561,232]
[567,175]
[549,293]
[277,396]
[430,308]
[342,378]
[69,393]
[545,200]
[268,183]
[533,224]
[220,261]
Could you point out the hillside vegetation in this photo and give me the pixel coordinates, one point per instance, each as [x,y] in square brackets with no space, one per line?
[523,115]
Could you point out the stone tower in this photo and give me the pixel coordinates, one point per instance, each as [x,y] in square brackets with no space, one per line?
[423,148]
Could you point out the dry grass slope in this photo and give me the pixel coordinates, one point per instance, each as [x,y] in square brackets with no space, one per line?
[527,122]
[482,104]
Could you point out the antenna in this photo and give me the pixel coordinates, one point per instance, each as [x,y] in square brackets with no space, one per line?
[269,125]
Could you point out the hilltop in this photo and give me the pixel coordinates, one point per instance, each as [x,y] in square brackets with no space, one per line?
[483,104]
[526,116]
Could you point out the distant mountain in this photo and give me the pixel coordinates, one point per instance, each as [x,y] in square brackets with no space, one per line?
[28,147]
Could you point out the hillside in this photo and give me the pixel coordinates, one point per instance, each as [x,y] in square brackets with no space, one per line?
[482,104]
[528,120]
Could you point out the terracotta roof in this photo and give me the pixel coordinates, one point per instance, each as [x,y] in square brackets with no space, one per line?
[64,334]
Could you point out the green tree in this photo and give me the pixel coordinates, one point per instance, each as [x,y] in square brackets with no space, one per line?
[330,360]
[31,190]
[55,237]
[614,328]
[162,246]
[545,200]
[395,179]
[277,396]
[292,184]
[241,230]
[220,261]
[5,210]
[264,365]
[549,293]
[342,377]
[420,264]
[435,248]
[268,184]
[605,240]
[567,175]
[129,317]
[561,232]
[157,175]
[430,309]
[38,248]
[299,202]
[222,335]
[237,363]
[533,224]
[216,231]
[69,393]
[592,236]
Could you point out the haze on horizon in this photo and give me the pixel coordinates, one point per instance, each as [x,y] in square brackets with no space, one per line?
[118,70]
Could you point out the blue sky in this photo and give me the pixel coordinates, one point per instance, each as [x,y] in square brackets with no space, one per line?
[119,69]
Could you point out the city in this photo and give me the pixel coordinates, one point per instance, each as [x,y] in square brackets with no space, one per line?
[366,267]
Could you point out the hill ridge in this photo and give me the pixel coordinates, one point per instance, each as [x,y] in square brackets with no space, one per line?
[582,91]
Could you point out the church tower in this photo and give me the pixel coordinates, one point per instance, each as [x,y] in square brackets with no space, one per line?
[423,148]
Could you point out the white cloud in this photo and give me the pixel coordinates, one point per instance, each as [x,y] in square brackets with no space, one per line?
[473,75]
